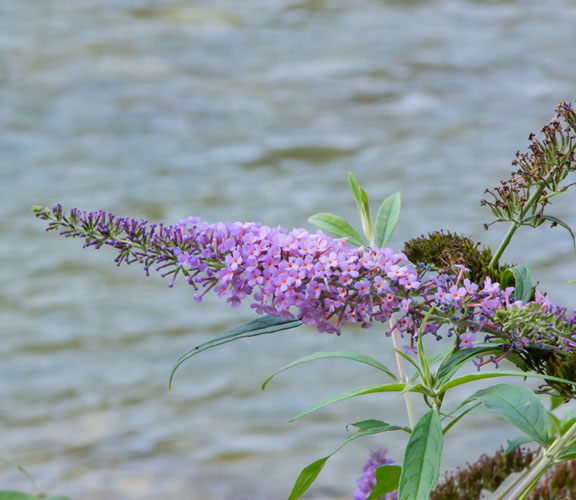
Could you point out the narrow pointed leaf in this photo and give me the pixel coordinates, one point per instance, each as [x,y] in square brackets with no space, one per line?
[387,479]
[459,358]
[306,478]
[376,426]
[258,326]
[472,377]
[361,199]
[354,356]
[310,473]
[522,282]
[387,218]
[459,417]
[372,389]
[337,226]
[421,464]
[412,362]
[515,442]
[518,406]
[568,454]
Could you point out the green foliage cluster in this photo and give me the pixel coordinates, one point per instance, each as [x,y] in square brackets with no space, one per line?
[443,250]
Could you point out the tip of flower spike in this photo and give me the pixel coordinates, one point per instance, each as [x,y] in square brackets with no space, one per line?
[39,211]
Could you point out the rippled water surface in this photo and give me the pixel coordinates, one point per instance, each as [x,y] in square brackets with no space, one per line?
[230,110]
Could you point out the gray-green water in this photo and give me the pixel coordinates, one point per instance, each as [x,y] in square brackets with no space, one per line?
[234,110]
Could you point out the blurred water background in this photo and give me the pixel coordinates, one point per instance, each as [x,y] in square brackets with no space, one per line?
[240,110]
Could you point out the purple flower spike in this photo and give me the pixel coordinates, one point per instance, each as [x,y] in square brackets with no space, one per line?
[321,280]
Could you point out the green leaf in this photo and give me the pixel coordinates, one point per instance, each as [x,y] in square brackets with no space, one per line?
[387,479]
[338,227]
[555,401]
[258,326]
[387,218]
[518,406]
[371,389]
[553,424]
[424,365]
[354,356]
[361,199]
[522,282]
[515,442]
[472,377]
[306,478]
[568,454]
[458,417]
[377,426]
[412,362]
[555,222]
[457,359]
[568,420]
[422,459]
[310,473]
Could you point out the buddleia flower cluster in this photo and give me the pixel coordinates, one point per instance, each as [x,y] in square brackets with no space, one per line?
[320,280]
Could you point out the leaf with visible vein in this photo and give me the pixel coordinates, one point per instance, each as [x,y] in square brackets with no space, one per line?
[259,326]
[421,464]
[310,472]
[337,226]
[387,218]
[387,479]
[354,356]
[518,406]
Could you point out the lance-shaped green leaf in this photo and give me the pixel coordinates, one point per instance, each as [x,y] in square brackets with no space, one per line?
[354,356]
[519,406]
[254,328]
[377,426]
[424,365]
[555,401]
[459,358]
[473,377]
[535,220]
[522,282]
[568,454]
[361,199]
[310,472]
[371,389]
[337,226]
[455,419]
[307,477]
[387,479]
[515,442]
[387,218]
[421,464]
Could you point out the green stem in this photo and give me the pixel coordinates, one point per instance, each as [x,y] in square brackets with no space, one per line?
[547,461]
[516,224]
[402,373]
[517,479]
